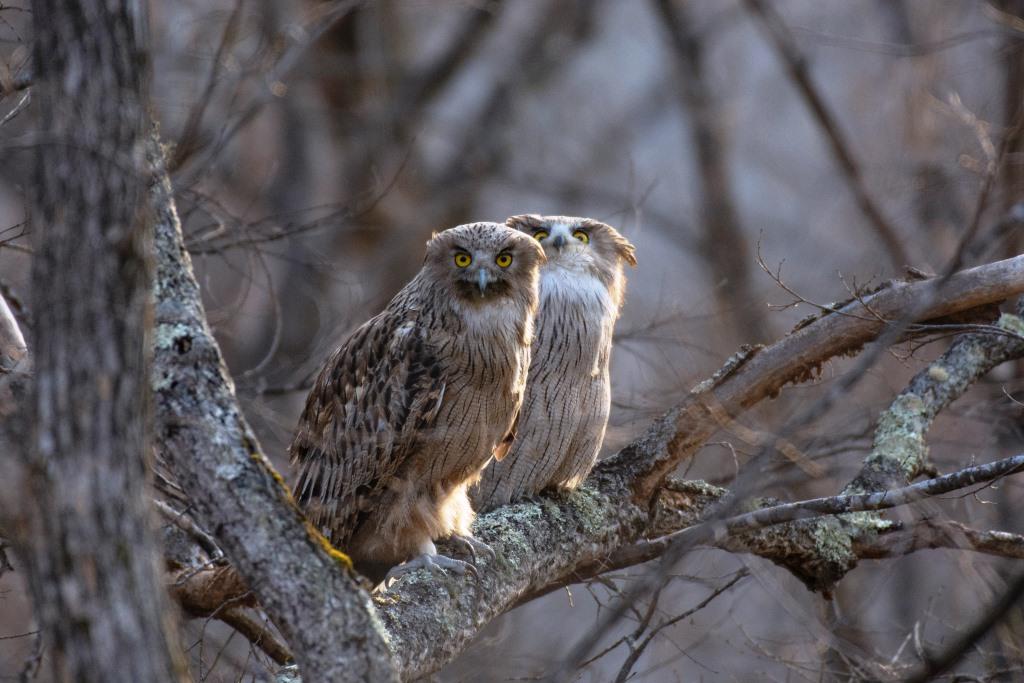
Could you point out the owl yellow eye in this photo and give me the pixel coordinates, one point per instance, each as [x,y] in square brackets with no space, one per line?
[463,259]
[582,236]
[540,234]
[504,260]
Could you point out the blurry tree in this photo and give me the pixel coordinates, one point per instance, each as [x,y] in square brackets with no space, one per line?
[313,145]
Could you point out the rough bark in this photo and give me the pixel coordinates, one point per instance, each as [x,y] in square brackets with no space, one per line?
[300,581]
[90,541]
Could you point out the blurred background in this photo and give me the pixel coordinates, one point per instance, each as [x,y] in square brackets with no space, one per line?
[760,156]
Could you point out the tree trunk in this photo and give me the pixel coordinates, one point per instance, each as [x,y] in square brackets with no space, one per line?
[92,549]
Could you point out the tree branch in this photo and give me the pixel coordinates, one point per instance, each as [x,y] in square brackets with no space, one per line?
[929,534]
[545,543]
[718,531]
[12,341]
[201,434]
[798,357]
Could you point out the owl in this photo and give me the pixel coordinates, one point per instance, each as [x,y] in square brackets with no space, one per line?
[408,411]
[565,411]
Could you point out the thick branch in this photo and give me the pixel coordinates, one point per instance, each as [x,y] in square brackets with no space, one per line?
[798,357]
[216,459]
[547,542]
[820,552]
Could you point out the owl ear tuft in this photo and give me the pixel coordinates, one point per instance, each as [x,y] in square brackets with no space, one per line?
[524,221]
[623,247]
[626,250]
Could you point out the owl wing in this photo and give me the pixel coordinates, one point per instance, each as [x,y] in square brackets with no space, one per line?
[503,447]
[375,396]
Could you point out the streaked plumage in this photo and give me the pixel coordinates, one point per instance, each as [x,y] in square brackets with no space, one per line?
[565,410]
[406,413]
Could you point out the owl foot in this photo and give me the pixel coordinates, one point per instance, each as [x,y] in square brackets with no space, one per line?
[434,563]
[472,546]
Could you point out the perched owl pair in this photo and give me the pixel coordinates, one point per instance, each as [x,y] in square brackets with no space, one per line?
[497,349]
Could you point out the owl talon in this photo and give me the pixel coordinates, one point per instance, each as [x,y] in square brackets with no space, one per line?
[435,564]
[472,546]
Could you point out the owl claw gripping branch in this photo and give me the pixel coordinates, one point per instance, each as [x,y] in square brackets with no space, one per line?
[405,415]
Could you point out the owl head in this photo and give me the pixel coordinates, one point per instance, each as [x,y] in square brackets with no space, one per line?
[580,243]
[484,262]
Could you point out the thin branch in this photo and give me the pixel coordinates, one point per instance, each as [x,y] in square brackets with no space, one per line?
[799,357]
[638,649]
[796,66]
[723,243]
[843,504]
[928,534]
[21,81]
[937,664]
[12,342]
[257,633]
[188,525]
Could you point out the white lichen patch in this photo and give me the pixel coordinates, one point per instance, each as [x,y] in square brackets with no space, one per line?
[899,442]
[1011,323]
[165,334]
[229,471]
[832,543]
[938,373]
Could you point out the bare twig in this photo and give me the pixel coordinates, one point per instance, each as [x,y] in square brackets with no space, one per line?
[796,66]
[937,664]
[188,525]
[843,504]
[12,342]
[929,533]
[638,649]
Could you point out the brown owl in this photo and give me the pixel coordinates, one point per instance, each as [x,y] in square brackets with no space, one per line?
[565,411]
[409,410]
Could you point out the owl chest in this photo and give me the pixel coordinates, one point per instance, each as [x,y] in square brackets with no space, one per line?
[486,363]
[575,323]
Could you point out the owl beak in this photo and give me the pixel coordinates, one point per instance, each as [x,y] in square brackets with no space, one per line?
[558,242]
[481,280]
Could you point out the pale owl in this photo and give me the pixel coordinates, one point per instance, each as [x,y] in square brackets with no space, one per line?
[409,410]
[565,411]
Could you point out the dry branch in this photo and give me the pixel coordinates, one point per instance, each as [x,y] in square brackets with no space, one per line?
[930,534]
[235,492]
[12,342]
[848,503]
[799,357]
